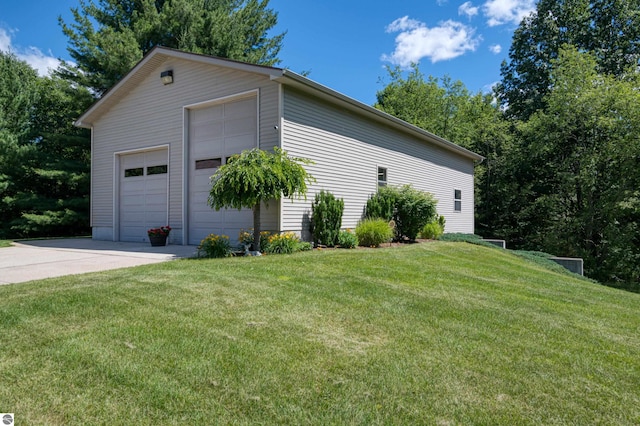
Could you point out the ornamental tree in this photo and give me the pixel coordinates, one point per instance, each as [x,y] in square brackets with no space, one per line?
[256,176]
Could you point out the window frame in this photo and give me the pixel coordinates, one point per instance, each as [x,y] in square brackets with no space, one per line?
[457,200]
[383,171]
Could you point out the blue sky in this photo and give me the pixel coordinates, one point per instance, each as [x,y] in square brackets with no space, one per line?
[344,44]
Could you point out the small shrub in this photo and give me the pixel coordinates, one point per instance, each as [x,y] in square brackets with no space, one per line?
[285,243]
[326,218]
[373,232]
[433,230]
[215,246]
[264,240]
[382,204]
[347,239]
[414,209]
[305,246]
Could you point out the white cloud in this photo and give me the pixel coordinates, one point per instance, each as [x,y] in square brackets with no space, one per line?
[495,48]
[468,9]
[416,41]
[38,60]
[5,40]
[500,12]
[441,2]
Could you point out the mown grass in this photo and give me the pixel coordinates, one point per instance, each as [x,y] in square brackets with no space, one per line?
[6,243]
[436,333]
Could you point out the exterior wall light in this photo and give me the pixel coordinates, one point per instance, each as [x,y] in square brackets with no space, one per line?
[166,77]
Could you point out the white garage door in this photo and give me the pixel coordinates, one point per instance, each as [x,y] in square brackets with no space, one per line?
[216,133]
[143,194]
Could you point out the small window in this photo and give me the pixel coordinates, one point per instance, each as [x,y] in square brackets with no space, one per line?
[457,200]
[138,171]
[210,163]
[382,176]
[157,170]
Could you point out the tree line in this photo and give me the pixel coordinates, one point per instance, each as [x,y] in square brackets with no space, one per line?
[559,133]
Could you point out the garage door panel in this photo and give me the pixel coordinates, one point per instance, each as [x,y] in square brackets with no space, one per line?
[240,126]
[239,216]
[209,216]
[127,218]
[206,114]
[199,201]
[132,160]
[156,186]
[130,200]
[237,144]
[202,179]
[133,185]
[206,131]
[241,108]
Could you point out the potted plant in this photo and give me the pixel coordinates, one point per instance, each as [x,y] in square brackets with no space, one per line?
[158,236]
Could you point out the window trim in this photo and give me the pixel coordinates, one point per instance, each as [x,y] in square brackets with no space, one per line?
[383,171]
[457,200]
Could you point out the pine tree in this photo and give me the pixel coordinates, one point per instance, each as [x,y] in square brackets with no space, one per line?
[108,38]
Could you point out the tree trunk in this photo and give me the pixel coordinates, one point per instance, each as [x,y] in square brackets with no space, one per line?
[256,227]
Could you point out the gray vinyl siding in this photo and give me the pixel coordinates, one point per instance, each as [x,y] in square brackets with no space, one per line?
[347,150]
[152,115]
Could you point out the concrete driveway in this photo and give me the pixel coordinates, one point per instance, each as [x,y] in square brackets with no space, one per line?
[34,260]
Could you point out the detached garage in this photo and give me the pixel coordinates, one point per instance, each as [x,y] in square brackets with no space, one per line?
[156,142]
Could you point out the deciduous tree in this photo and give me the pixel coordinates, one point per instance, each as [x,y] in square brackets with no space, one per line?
[474,121]
[610,29]
[577,169]
[255,177]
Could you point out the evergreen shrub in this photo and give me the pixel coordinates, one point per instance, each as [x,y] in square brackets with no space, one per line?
[326,218]
[382,204]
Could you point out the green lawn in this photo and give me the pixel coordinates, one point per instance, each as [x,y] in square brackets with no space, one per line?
[434,333]
[6,243]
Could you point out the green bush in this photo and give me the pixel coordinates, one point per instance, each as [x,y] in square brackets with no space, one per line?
[285,243]
[215,246]
[373,232]
[414,209]
[347,239]
[326,218]
[409,208]
[433,230]
[382,204]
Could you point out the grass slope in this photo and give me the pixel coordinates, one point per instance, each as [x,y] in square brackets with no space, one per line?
[437,333]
